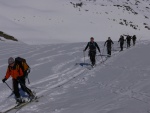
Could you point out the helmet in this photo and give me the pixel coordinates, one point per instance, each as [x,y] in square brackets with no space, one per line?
[11,60]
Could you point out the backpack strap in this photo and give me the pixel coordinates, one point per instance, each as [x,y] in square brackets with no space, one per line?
[94,44]
[17,67]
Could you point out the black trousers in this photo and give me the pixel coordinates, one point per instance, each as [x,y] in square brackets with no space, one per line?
[133,42]
[128,44]
[21,81]
[121,46]
[92,55]
[109,50]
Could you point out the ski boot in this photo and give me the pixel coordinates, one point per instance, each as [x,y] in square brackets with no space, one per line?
[19,101]
[32,96]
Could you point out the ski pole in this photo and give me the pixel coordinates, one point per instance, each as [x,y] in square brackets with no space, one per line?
[96,57]
[9,87]
[118,46]
[26,76]
[84,56]
[101,55]
[103,50]
[113,48]
[102,58]
[28,80]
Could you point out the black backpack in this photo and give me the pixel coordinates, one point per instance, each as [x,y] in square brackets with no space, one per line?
[22,63]
[92,46]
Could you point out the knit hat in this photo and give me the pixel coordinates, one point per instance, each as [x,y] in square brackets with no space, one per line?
[92,38]
[11,60]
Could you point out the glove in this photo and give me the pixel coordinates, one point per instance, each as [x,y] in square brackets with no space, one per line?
[3,80]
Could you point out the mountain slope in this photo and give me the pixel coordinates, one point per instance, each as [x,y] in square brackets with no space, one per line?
[55,21]
[119,85]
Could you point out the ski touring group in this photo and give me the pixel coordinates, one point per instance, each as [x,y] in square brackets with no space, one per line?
[92,45]
[18,68]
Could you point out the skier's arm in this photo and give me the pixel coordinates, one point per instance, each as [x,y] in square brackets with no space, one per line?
[105,43]
[7,73]
[97,47]
[86,47]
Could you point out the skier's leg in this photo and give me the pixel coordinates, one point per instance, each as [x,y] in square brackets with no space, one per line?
[16,89]
[109,50]
[90,54]
[24,87]
[133,42]
[94,60]
[91,58]
[121,46]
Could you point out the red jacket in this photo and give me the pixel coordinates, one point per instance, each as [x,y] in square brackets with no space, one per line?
[14,73]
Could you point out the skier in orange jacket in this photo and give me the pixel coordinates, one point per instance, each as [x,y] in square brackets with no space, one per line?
[16,73]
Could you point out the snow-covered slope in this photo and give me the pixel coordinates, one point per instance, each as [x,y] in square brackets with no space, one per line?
[121,85]
[57,21]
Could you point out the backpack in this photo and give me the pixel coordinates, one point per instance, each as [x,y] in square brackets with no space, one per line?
[22,63]
[134,37]
[92,46]
[121,40]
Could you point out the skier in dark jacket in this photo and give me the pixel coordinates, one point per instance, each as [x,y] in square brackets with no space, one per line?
[121,40]
[134,39]
[128,39]
[109,44]
[92,50]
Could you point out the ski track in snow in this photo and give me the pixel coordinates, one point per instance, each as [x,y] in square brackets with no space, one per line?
[65,74]
[36,53]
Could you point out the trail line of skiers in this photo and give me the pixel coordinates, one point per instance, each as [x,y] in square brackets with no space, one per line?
[92,45]
[18,69]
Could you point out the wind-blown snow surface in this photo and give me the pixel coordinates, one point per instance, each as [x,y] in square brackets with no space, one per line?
[57,21]
[120,85]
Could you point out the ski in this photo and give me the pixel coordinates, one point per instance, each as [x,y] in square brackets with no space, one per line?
[89,68]
[86,65]
[19,106]
[8,109]
[102,55]
[83,64]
